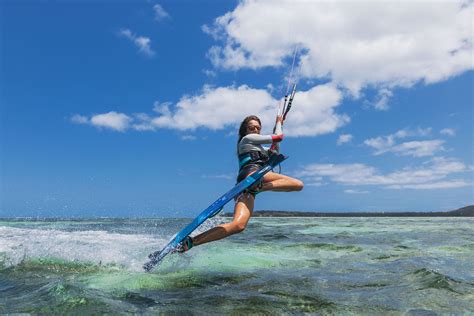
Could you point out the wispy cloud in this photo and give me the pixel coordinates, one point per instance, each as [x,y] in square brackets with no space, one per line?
[160,13]
[142,42]
[351,191]
[418,148]
[432,174]
[448,132]
[188,137]
[388,143]
[436,185]
[219,176]
[79,119]
[344,138]
[210,73]
[383,97]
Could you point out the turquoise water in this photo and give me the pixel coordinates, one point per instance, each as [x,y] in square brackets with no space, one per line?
[414,266]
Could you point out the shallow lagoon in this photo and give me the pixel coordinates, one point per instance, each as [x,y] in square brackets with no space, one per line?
[278,265]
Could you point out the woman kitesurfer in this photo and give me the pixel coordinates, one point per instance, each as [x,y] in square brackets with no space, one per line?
[252,156]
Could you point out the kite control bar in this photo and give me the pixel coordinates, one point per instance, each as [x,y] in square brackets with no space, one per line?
[287,105]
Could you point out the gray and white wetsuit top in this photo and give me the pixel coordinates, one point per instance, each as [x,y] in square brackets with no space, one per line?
[251,151]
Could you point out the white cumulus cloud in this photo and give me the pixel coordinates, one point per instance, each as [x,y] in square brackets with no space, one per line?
[218,108]
[315,113]
[111,120]
[355,44]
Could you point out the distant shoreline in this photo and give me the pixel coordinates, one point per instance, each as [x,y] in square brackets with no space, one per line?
[467,211]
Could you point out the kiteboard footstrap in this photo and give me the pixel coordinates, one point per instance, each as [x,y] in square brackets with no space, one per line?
[185,245]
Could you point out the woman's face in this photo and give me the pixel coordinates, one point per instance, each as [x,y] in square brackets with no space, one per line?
[253,127]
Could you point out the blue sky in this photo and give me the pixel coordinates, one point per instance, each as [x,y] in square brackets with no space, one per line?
[131,108]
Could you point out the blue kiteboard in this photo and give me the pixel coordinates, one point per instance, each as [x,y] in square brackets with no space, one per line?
[157,256]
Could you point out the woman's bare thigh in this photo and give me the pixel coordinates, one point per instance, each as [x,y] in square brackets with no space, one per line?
[272,176]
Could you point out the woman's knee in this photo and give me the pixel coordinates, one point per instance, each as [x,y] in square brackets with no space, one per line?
[298,185]
[238,227]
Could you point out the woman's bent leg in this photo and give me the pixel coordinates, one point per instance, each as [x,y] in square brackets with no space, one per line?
[242,212]
[278,182]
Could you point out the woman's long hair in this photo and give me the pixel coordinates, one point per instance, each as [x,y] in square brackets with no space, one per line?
[243,126]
